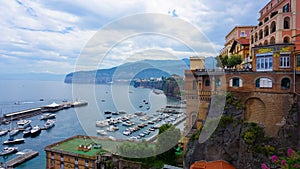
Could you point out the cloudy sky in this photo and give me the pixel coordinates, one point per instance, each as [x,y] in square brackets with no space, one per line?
[59,37]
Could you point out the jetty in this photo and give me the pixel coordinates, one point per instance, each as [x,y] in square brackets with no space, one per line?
[23,157]
[54,107]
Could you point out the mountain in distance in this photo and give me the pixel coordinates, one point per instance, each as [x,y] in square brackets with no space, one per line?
[144,69]
[33,76]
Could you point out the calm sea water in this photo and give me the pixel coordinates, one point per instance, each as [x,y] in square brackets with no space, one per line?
[20,95]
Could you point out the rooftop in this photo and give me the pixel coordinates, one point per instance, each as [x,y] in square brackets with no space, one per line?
[220,164]
[71,146]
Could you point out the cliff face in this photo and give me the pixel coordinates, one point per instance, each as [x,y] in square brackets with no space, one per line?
[245,145]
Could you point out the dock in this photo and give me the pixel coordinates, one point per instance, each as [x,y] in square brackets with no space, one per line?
[39,110]
[22,158]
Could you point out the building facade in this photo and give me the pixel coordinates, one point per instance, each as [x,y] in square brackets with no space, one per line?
[84,152]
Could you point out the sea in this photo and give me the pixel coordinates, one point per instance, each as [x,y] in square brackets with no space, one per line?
[17,95]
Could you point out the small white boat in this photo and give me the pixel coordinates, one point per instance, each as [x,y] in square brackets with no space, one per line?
[22,124]
[112,128]
[36,130]
[101,123]
[49,123]
[3,132]
[128,123]
[101,132]
[14,132]
[14,141]
[8,150]
[46,116]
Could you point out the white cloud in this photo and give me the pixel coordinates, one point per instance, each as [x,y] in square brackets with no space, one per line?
[48,36]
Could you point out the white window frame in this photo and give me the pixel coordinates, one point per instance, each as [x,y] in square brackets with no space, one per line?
[285,61]
[264,62]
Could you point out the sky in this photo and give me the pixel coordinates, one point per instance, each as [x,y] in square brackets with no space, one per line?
[58,37]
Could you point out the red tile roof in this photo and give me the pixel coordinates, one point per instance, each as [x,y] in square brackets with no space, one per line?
[212,165]
[243,41]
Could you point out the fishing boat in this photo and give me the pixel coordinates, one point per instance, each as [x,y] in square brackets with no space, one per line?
[8,150]
[36,130]
[22,124]
[46,116]
[11,140]
[49,124]
[3,132]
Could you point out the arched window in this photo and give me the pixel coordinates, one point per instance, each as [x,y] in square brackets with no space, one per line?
[286,40]
[235,82]
[285,83]
[252,39]
[272,40]
[266,31]
[286,23]
[260,44]
[273,26]
[255,37]
[207,82]
[263,82]
[218,82]
[260,34]
[266,42]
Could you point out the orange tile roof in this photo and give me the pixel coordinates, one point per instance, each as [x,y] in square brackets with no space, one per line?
[243,41]
[220,164]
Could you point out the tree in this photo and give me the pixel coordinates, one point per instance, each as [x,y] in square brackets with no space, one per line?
[222,61]
[234,60]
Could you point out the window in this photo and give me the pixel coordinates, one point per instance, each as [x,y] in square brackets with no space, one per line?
[286,40]
[263,82]
[86,163]
[266,31]
[260,34]
[273,26]
[242,34]
[298,60]
[61,157]
[62,165]
[264,62]
[207,82]
[194,85]
[284,61]
[76,160]
[285,83]
[286,23]
[286,8]
[235,82]
[218,82]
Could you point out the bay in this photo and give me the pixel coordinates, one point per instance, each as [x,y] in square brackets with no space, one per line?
[16,95]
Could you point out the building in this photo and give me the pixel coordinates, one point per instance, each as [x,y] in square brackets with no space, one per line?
[83,152]
[238,42]
[220,164]
[277,35]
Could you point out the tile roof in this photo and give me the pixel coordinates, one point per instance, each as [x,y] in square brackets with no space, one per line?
[220,164]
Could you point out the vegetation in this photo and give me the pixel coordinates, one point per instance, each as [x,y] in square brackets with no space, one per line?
[291,161]
[167,140]
[253,134]
[230,62]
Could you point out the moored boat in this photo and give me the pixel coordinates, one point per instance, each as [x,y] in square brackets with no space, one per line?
[3,132]
[101,132]
[22,124]
[26,132]
[112,128]
[14,141]
[36,130]
[46,116]
[14,132]
[49,124]
[8,150]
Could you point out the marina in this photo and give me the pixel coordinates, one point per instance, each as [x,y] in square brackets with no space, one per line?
[23,157]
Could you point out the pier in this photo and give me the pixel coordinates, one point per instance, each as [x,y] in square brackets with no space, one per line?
[22,158]
[39,110]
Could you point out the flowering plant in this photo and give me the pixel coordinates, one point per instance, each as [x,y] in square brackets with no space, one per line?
[292,161]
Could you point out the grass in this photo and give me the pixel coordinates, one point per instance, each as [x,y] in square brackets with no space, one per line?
[71,146]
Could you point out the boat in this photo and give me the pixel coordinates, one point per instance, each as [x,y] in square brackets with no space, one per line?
[36,130]
[22,124]
[11,140]
[158,92]
[107,112]
[3,132]
[112,128]
[8,150]
[26,132]
[126,133]
[103,100]
[140,113]
[46,116]
[14,132]
[115,113]
[101,132]
[49,123]
[101,123]
[128,123]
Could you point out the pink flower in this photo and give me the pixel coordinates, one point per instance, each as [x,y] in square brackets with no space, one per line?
[275,159]
[283,163]
[292,154]
[264,166]
[296,165]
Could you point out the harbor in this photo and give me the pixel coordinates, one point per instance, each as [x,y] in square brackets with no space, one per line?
[23,157]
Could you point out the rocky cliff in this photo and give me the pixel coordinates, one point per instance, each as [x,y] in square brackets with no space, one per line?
[244,145]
